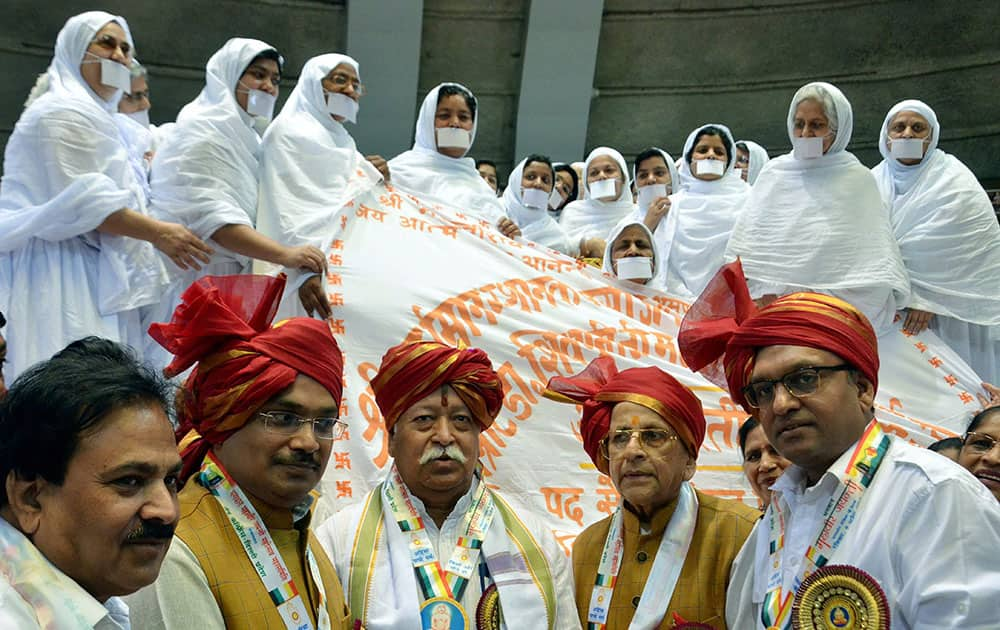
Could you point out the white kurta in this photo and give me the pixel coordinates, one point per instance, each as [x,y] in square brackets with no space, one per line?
[821,225]
[593,218]
[395,601]
[950,243]
[66,170]
[927,531]
[455,181]
[536,224]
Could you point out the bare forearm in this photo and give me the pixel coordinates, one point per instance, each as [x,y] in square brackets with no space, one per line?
[247,241]
[128,222]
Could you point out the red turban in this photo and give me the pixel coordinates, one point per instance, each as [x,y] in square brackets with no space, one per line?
[723,331]
[412,371]
[600,386]
[224,324]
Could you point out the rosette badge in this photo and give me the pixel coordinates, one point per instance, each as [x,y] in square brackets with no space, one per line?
[840,597]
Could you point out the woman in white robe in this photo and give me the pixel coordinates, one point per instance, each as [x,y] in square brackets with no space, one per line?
[528,197]
[77,251]
[750,158]
[205,175]
[692,237]
[310,167]
[632,239]
[436,166]
[948,236]
[815,221]
[588,222]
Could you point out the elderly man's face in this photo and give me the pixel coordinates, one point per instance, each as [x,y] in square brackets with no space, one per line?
[647,476]
[108,525]
[436,447]
[277,468]
[814,430]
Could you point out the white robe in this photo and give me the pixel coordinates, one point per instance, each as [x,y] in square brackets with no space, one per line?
[536,224]
[692,237]
[950,243]
[66,170]
[395,602]
[593,218]
[455,181]
[309,168]
[820,225]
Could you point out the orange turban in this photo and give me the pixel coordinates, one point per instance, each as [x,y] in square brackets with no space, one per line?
[723,330]
[412,371]
[224,324]
[600,386]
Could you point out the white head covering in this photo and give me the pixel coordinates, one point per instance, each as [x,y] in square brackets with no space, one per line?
[820,224]
[205,174]
[692,237]
[675,178]
[607,265]
[593,218]
[905,175]
[71,45]
[455,181]
[944,223]
[308,163]
[758,157]
[836,107]
[536,224]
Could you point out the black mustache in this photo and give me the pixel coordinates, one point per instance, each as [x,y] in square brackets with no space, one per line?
[151,530]
[303,459]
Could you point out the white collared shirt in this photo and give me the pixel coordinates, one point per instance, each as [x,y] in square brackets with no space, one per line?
[927,531]
[31,586]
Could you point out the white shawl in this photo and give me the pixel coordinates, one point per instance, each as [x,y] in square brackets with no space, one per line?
[66,170]
[692,237]
[455,181]
[758,157]
[307,160]
[945,227]
[536,224]
[205,174]
[593,218]
[821,225]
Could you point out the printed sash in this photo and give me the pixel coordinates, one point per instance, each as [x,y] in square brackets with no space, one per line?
[261,550]
[838,516]
[663,576]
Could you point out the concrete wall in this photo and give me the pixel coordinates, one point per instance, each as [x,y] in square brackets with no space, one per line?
[662,68]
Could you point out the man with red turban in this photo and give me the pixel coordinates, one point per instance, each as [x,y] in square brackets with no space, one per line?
[862,527]
[433,536]
[258,416]
[664,556]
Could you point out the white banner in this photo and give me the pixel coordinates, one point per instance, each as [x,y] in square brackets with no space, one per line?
[400,270]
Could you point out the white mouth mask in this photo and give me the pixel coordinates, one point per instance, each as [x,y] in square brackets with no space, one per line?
[556,199]
[342,105]
[453,138]
[739,172]
[648,193]
[113,74]
[141,117]
[603,189]
[807,148]
[635,268]
[907,148]
[260,104]
[710,166]
[535,198]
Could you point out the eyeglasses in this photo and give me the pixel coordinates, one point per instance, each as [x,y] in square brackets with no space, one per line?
[288,423]
[979,443]
[649,440]
[341,81]
[110,43]
[800,383]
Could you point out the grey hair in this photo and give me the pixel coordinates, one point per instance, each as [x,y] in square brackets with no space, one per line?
[137,69]
[820,95]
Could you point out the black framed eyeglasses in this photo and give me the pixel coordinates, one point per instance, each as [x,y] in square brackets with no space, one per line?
[288,423]
[649,440]
[800,383]
[979,443]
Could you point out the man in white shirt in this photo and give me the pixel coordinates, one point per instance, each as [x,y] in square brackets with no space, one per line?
[433,535]
[89,503]
[862,528]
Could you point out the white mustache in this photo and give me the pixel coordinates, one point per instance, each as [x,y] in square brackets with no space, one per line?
[437,451]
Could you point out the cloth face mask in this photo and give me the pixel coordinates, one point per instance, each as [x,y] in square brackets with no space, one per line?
[342,105]
[603,189]
[113,74]
[907,148]
[709,167]
[635,268]
[807,148]
[453,138]
[535,198]
[648,193]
